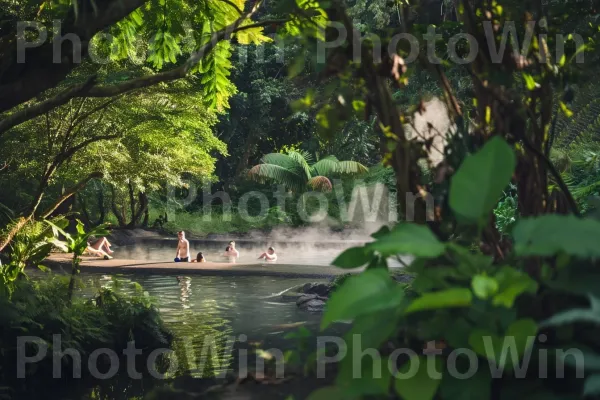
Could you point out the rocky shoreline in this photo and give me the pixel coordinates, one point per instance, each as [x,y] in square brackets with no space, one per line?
[313,296]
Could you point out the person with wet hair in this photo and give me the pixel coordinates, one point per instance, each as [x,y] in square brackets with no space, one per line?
[269,255]
[231,252]
[199,258]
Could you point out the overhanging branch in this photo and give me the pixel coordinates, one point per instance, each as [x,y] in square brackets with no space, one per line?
[45,106]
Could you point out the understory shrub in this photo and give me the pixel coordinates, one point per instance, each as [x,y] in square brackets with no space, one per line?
[107,320]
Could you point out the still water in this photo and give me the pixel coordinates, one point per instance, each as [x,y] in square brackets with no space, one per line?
[201,308]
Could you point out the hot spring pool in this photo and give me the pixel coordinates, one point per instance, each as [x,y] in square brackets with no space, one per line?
[299,253]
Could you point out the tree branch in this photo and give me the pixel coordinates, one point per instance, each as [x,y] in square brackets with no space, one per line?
[70,192]
[21,82]
[97,91]
[45,106]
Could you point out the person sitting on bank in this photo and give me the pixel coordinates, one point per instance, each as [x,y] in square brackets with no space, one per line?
[99,248]
[269,255]
[183,248]
[199,258]
[230,251]
[101,244]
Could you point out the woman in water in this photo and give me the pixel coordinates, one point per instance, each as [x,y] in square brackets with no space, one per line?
[231,252]
[269,255]
[199,258]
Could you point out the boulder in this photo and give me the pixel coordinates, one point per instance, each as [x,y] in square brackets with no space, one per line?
[403,278]
[320,289]
[311,303]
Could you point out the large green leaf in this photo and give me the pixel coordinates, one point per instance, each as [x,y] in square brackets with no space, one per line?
[371,291]
[353,257]
[407,238]
[420,385]
[477,387]
[478,184]
[520,333]
[449,298]
[552,234]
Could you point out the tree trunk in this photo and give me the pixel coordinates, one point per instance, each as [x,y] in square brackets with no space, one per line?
[248,150]
[131,206]
[120,217]
[143,200]
[74,271]
[102,211]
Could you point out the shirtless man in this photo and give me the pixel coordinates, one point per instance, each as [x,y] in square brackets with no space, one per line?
[183,248]
[231,252]
[269,255]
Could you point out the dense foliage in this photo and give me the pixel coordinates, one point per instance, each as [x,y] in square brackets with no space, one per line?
[497,186]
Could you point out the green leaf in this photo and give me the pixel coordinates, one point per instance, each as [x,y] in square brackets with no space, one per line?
[407,238]
[552,234]
[563,107]
[591,314]
[449,298]
[512,283]
[384,230]
[375,374]
[481,179]
[530,82]
[371,291]
[484,286]
[477,387]
[419,385]
[327,393]
[518,336]
[592,385]
[353,257]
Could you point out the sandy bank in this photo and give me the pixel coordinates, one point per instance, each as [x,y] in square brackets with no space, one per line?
[94,264]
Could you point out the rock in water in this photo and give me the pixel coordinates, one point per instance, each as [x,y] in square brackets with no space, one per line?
[320,289]
[311,303]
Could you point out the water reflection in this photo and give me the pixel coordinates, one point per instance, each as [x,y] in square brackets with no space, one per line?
[185,283]
[205,313]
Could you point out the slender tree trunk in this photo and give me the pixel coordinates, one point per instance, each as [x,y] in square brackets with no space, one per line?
[131,206]
[120,217]
[84,212]
[102,211]
[74,271]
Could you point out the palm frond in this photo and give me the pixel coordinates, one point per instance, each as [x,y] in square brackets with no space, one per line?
[327,166]
[282,160]
[264,173]
[351,168]
[303,159]
[6,212]
[320,183]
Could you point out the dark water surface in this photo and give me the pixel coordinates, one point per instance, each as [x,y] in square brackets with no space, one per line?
[213,309]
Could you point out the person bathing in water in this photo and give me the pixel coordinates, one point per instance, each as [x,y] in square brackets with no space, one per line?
[231,252]
[269,255]
[183,248]
[199,258]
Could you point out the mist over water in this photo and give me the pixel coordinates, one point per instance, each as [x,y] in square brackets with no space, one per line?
[314,245]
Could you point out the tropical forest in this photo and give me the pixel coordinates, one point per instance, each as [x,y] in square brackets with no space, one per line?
[299,199]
